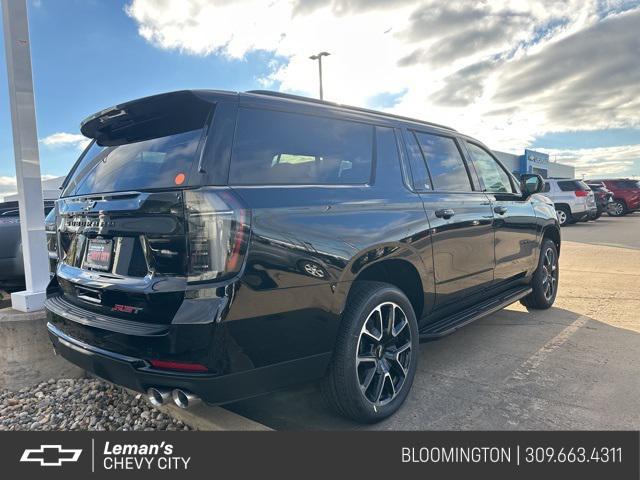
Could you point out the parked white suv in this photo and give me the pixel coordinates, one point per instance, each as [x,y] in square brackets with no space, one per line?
[573,199]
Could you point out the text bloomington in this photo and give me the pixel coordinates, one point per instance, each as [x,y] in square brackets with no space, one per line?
[456,455]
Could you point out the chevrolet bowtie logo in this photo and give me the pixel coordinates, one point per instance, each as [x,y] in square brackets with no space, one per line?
[50,455]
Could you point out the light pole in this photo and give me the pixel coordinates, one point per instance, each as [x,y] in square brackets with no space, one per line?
[319,58]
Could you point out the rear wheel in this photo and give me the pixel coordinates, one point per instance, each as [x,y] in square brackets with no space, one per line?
[564,215]
[617,209]
[544,283]
[375,356]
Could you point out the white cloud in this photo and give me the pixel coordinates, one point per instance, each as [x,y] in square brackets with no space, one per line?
[503,71]
[64,139]
[8,184]
[594,162]
[7,181]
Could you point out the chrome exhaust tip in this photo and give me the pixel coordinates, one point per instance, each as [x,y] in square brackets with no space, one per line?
[158,396]
[184,399]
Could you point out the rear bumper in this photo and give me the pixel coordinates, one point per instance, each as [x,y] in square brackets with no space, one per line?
[578,216]
[136,373]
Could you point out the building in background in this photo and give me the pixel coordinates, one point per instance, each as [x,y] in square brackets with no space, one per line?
[535,162]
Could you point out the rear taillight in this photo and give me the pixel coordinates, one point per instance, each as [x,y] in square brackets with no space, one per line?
[581,193]
[218,234]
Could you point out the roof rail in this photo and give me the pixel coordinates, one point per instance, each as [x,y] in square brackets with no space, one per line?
[347,107]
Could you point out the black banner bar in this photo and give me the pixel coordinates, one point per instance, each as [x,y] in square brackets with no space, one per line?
[405,455]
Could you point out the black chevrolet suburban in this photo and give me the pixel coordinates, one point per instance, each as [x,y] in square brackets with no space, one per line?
[215,245]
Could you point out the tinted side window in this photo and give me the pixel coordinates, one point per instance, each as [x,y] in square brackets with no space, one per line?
[387,157]
[447,169]
[627,184]
[493,176]
[288,148]
[547,187]
[419,171]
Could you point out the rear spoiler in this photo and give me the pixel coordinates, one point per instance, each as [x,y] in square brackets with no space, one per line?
[149,117]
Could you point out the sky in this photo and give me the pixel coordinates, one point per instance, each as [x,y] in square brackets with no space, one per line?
[559,77]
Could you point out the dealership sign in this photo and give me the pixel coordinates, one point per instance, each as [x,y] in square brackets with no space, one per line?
[534,162]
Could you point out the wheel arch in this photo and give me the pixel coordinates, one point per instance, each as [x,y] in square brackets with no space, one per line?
[552,232]
[621,200]
[399,272]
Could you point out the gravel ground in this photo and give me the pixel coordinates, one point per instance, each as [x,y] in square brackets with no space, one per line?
[80,404]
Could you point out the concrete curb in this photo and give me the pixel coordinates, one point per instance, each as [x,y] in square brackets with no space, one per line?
[211,419]
[26,354]
[205,418]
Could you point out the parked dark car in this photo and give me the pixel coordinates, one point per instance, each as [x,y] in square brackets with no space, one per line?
[11,264]
[603,196]
[626,195]
[218,245]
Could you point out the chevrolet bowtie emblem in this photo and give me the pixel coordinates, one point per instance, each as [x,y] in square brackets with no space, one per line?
[88,206]
[50,455]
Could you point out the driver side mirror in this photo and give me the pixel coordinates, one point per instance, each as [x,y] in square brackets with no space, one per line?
[531,183]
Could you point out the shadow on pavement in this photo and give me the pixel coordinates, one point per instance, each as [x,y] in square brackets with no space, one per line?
[553,369]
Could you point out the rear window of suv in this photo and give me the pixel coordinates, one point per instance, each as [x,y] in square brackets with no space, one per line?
[281,148]
[573,185]
[155,163]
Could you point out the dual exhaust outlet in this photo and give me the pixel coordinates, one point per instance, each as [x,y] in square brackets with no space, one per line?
[159,396]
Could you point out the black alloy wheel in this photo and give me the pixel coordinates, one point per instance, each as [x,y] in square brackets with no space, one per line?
[384,353]
[544,282]
[376,353]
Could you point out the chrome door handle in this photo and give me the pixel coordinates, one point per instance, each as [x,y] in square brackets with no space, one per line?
[445,213]
[500,210]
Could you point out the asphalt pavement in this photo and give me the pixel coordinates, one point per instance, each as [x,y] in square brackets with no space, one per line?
[612,231]
[574,366]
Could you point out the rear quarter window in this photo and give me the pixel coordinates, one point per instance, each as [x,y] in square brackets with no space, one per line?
[281,148]
[572,185]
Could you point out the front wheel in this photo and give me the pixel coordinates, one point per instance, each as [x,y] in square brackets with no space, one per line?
[375,356]
[564,216]
[544,283]
[617,209]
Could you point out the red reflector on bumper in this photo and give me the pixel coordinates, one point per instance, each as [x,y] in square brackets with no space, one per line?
[183,367]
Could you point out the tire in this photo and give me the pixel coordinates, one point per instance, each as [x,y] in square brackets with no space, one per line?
[598,215]
[564,216]
[369,379]
[617,209]
[544,278]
